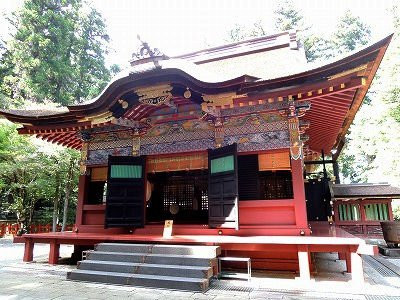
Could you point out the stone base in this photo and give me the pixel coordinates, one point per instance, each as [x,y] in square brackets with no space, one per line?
[392,252]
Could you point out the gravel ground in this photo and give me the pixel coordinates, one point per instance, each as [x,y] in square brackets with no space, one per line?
[38,280]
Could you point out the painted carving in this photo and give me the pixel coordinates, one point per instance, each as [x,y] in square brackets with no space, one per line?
[127,123]
[84,157]
[259,141]
[296,144]
[156,95]
[252,133]
[101,156]
[177,146]
[259,108]
[218,132]
[136,143]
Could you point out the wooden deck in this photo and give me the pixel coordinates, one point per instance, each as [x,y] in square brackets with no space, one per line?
[324,238]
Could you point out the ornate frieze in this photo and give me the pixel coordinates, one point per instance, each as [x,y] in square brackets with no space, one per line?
[259,141]
[111,143]
[252,133]
[100,156]
[249,109]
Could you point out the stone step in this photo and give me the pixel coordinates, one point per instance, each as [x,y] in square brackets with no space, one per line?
[168,259]
[148,269]
[170,282]
[198,251]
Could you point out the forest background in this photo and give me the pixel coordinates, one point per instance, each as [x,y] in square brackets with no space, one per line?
[58,52]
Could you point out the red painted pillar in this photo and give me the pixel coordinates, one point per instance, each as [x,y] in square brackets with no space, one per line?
[28,251]
[82,185]
[348,262]
[299,194]
[54,253]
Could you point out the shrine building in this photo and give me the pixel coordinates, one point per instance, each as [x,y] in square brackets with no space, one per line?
[219,142]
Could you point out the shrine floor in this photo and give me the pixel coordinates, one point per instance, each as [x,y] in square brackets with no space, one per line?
[39,280]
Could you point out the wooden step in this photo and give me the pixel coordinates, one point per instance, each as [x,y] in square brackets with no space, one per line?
[169,259]
[183,267]
[169,282]
[144,268]
[198,251]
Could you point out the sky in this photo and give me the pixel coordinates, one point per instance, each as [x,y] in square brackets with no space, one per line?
[181,26]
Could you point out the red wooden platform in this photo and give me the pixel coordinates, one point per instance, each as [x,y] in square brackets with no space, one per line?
[324,238]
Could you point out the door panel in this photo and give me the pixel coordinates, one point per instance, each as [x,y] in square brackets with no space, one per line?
[223,207]
[125,192]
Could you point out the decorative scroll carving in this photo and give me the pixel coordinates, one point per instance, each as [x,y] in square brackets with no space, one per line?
[303,126]
[294,111]
[146,54]
[127,123]
[155,96]
[296,145]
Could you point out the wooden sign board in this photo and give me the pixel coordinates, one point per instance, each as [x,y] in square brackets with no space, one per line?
[168,229]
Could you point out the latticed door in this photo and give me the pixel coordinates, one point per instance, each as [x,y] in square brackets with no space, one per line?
[223,210]
[125,192]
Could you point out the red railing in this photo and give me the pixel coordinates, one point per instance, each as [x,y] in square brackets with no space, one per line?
[12,229]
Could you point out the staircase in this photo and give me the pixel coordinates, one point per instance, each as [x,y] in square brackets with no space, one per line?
[182,267]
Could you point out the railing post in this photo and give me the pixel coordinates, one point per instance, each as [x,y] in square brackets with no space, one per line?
[304,262]
[54,252]
[28,251]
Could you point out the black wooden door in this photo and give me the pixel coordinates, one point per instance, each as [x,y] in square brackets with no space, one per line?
[125,192]
[318,200]
[223,210]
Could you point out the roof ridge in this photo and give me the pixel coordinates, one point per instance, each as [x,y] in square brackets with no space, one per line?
[292,37]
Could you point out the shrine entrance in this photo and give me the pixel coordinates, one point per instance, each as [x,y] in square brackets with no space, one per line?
[181,196]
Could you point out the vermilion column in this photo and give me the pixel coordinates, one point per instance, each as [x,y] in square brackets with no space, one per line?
[299,196]
[83,180]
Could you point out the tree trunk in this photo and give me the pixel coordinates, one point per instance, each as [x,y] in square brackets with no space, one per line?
[68,189]
[56,201]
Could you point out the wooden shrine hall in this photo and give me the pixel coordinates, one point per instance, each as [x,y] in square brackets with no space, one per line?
[216,141]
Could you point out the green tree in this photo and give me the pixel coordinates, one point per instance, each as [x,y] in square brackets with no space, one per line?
[370,153]
[90,67]
[392,65]
[287,17]
[31,179]
[351,33]
[56,54]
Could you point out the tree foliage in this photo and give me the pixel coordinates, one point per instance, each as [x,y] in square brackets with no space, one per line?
[350,32]
[56,53]
[370,153]
[55,56]
[287,17]
[28,175]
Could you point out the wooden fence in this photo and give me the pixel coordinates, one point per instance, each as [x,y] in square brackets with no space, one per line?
[12,229]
